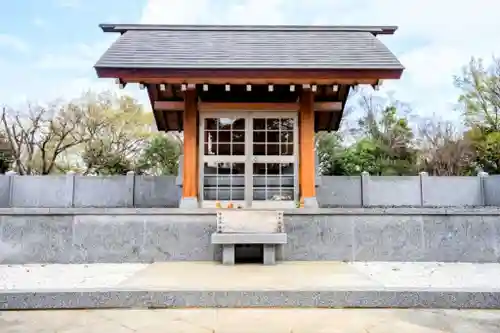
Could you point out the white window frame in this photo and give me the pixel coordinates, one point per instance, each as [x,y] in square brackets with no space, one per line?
[249,159]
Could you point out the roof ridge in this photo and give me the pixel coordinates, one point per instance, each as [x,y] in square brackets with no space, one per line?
[122,28]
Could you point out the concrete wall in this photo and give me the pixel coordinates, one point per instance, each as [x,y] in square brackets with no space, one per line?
[153,192]
[42,191]
[164,191]
[342,191]
[452,191]
[148,235]
[440,236]
[5,191]
[106,191]
[492,190]
[408,191]
[391,191]
[86,191]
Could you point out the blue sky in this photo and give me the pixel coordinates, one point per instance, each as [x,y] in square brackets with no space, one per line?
[48,47]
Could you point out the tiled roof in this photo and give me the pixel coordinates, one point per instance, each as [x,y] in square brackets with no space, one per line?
[248,47]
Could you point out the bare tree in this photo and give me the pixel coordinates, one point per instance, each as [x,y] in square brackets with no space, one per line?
[444,150]
[40,134]
[94,134]
[480,98]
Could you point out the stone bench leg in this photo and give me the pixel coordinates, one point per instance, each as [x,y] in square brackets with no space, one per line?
[269,254]
[228,254]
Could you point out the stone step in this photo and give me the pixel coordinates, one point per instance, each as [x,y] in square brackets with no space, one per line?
[290,284]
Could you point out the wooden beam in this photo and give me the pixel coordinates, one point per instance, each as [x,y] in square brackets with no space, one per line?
[168,106]
[327,106]
[342,93]
[153,96]
[271,76]
[225,106]
[169,92]
[254,81]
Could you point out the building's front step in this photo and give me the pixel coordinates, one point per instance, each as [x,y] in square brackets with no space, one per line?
[298,284]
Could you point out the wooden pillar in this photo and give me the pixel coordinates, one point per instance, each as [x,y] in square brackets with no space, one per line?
[197,178]
[190,167]
[306,151]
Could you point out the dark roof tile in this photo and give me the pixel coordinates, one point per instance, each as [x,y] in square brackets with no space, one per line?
[233,48]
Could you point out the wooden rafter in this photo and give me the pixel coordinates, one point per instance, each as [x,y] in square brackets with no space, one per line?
[209,106]
[153,96]
[224,76]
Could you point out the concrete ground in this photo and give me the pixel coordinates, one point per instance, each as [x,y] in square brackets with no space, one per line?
[251,321]
[284,276]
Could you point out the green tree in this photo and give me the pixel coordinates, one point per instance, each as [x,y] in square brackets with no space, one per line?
[119,130]
[486,148]
[383,143]
[161,155]
[480,104]
[329,148]
[384,140]
[480,97]
[5,155]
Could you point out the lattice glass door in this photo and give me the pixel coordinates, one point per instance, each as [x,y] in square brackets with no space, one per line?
[274,157]
[224,158]
[248,159]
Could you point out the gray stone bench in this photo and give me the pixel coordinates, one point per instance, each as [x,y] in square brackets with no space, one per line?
[235,227]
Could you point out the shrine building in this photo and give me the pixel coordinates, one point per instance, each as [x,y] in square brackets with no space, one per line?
[248,100]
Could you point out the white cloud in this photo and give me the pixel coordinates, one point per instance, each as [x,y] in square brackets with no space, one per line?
[251,12]
[80,85]
[435,39]
[51,61]
[74,57]
[13,43]
[212,12]
[66,72]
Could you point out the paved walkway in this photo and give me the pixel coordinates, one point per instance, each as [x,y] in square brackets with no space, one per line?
[284,276]
[251,321]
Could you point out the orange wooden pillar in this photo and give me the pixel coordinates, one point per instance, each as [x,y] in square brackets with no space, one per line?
[190,167]
[307,177]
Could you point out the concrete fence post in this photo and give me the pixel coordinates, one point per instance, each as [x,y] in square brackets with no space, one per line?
[317,165]
[365,189]
[482,180]
[11,175]
[178,179]
[130,183]
[423,176]
[70,183]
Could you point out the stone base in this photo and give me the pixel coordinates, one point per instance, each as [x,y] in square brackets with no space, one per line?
[311,202]
[189,203]
[135,235]
[298,284]
[119,298]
